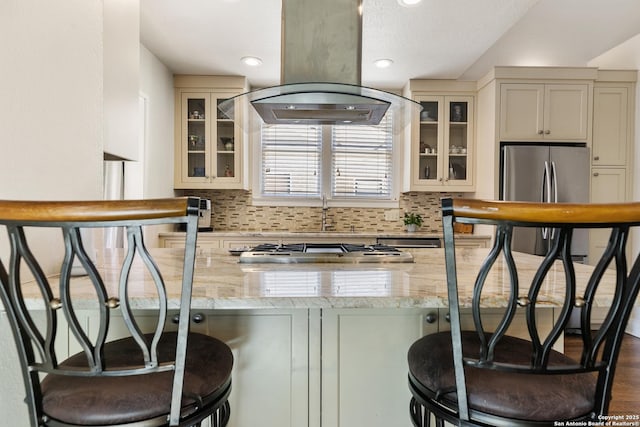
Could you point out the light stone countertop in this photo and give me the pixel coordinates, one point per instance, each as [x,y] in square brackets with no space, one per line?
[221,282]
[326,234]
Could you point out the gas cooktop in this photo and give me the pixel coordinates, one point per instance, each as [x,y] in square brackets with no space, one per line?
[324,253]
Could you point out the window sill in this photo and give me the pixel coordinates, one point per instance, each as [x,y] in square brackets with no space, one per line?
[331,203]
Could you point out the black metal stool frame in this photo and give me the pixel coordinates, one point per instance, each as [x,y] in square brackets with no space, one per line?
[600,349]
[36,348]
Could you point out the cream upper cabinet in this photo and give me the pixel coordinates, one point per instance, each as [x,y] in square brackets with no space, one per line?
[549,112]
[209,147]
[440,149]
[611,127]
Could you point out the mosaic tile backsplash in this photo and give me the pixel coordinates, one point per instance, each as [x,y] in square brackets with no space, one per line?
[233,211]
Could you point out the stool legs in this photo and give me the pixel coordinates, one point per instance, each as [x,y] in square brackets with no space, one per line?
[421,416]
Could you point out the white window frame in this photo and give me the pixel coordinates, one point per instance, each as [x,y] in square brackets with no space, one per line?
[326,171]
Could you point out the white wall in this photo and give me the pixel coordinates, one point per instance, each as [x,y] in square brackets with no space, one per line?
[51,105]
[121,75]
[156,85]
[51,101]
[627,56]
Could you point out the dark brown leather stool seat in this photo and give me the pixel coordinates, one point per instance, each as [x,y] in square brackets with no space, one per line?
[512,395]
[100,401]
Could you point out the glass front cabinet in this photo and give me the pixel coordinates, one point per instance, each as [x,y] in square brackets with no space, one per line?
[209,145]
[441,149]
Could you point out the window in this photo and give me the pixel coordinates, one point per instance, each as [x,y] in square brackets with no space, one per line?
[342,163]
[362,159]
[291,160]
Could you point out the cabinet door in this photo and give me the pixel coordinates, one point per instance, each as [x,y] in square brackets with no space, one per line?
[427,166]
[364,365]
[552,112]
[204,242]
[270,350]
[521,112]
[608,185]
[610,126]
[566,112]
[442,150]
[226,148]
[195,139]
[270,378]
[472,242]
[209,145]
[459,146]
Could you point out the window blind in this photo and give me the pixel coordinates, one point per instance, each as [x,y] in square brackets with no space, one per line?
[362,160]
[291,160]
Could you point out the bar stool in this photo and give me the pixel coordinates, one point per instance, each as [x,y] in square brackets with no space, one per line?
[486,377]
[163,377]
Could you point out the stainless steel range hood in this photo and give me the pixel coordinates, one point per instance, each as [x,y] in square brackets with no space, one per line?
[321,71]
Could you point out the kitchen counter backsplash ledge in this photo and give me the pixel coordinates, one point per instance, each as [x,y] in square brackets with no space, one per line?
[324,234]
[233,210]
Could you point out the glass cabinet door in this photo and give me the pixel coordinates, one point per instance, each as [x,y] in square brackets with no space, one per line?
[195,136]
[443,150]
[458,139]
[430,145]
[210,142]
[225,145]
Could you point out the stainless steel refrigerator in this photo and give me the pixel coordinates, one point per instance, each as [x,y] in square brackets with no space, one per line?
[550,174]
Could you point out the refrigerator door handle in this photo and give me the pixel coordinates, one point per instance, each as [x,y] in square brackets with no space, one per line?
[543,184]
[554,182]
[555,191]
[545,194]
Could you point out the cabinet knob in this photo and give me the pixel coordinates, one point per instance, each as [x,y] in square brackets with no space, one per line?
[431,318]
[447,317]
[596,157]
[196,318]
[440,179]
[596,174]
[547,132]
[540,132]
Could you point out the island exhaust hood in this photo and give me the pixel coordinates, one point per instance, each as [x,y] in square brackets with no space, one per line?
[321,71]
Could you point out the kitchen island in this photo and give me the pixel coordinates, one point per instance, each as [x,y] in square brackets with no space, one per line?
[234,239]
[320,344]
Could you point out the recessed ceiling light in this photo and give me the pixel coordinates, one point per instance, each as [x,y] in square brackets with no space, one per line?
[408,3]
[383,63]
[252,61]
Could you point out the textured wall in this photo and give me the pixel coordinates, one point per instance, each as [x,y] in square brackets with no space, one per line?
[232,211]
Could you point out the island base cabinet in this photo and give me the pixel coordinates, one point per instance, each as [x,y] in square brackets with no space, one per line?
[364,365]
[269,381]
[12,392]
[364,359]
[297,367]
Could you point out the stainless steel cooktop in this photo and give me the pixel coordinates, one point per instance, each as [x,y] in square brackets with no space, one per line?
[324,253]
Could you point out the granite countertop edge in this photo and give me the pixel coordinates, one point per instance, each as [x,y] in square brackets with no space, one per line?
[329,234]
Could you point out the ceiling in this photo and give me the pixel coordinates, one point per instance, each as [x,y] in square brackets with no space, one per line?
[437,39]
